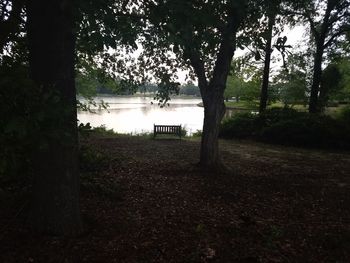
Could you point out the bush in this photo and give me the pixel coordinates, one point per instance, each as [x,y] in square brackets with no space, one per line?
[309,130]
[104,131]
[344,115]
[184,131]
[290,127]
[197,133]
[274,115]
[241,125]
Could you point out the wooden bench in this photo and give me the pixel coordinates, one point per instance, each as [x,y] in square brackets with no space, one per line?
[167,129]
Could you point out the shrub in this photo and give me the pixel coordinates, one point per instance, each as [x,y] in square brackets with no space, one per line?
[344,115]
[104,131]
[84,129]
[197,133]
[290,127]
[184,131]
[274,115]
[241,125]
[310,130]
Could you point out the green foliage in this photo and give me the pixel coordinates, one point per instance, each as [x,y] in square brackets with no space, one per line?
[290,86]
[244,81]
[290,127]
[165,90]
[148,88]
[330,83]
[92,80]
[197,133]
[84,130]
[309,130]
[344,115]
[184,131]
[190,89]
[343,91]
[90,104]
[102,130]
[274,115]
[241,125]
[181,33]
[331,78]
[234,88]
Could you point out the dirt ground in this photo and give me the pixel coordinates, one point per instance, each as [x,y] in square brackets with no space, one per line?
[145,200]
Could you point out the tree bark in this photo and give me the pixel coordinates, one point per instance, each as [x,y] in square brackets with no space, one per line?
[266,72]
[51,43]
[320,37]
[214,111]
[314,106]
[213,96]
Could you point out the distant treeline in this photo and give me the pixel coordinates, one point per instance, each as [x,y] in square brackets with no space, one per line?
[186,89]
[189,89]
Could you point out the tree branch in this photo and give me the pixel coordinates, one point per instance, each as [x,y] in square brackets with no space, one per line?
[340,32]
[199,68]
[305,15]
[336,18]
[226,51]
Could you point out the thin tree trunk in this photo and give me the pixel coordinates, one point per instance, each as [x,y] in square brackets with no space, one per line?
[266,73]
[55,206]
[320,36]
[314,106]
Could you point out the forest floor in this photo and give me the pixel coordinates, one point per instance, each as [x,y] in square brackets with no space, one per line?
[145,200]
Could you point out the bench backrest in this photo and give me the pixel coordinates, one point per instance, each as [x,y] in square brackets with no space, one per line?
[167,129]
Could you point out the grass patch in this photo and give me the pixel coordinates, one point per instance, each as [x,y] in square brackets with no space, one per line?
[253,105]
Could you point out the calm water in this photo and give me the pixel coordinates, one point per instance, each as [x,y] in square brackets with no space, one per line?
[136,114]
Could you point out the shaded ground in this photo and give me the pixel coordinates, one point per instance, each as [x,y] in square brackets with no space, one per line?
[144,200]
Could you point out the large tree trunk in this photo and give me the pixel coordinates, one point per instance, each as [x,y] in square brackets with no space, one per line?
[214,107]
[316,79]
[214,111]
[266,73]
[55,206]
[213,91]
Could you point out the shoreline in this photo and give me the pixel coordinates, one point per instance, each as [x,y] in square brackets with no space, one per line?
[229,107]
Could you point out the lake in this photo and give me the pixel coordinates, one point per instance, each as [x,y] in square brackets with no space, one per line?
[133,114]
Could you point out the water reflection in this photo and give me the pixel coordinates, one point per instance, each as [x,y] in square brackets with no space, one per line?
[137,114]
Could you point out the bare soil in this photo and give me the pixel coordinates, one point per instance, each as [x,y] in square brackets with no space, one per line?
[145,200]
